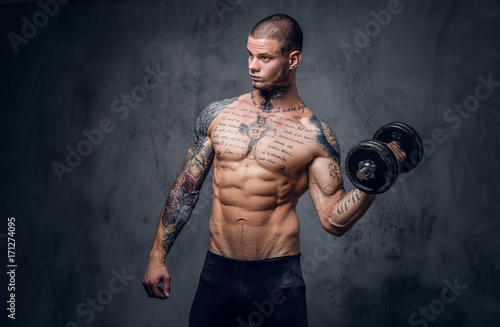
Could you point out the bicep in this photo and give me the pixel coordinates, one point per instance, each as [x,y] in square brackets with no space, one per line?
[325,188]
[199,157]
[325,178]
[198,160]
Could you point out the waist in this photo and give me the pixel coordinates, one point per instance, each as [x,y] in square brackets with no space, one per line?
[279,272]
[252,264]
[246,235]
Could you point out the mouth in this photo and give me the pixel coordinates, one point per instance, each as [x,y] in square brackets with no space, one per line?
[255,78]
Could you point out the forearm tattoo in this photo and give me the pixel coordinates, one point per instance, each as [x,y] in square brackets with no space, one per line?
[182,197]
[185,191]
[348,200]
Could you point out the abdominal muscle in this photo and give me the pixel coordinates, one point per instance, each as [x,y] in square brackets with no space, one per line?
[253,214]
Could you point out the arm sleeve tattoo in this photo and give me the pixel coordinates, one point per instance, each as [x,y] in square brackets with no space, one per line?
[185,191]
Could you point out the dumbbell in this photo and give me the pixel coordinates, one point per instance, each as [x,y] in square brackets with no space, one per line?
[373,167]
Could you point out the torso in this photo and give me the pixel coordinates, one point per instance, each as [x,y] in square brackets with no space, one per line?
[260,172]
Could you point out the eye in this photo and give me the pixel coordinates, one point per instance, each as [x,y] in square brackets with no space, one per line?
[266,59]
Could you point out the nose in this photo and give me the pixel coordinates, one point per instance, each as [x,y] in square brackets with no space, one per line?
[252,64]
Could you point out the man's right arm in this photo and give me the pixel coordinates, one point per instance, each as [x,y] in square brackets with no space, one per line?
[181,201]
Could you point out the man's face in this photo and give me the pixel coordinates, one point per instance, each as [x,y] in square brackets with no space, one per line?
[266,64]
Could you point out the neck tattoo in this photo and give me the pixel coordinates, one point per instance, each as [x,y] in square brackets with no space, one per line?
[266,105]
[278,92]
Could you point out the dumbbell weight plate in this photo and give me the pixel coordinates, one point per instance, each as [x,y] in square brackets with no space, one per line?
[384,159]
[408,139]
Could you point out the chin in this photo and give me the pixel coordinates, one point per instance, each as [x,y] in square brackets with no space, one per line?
[261,86]
[257,85]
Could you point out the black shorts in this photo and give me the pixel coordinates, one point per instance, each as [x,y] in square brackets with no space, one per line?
[237,293]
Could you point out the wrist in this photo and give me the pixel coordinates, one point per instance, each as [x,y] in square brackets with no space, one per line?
[157,256]
[367,195]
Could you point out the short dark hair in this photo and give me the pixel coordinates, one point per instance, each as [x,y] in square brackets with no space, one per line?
[282,28]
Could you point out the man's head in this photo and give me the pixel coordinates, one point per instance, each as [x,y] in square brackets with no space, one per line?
[281,28]
[274,48]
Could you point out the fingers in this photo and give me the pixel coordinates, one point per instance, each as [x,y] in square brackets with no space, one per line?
[154,288]
[146,287]
[159,290]
[398,151]
[166,287]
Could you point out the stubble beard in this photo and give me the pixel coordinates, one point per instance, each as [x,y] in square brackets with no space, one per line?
[276,88]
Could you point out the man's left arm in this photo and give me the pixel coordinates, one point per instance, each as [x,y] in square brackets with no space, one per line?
[338,211]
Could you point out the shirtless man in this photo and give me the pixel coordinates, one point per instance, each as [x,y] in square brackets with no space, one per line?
[267,149]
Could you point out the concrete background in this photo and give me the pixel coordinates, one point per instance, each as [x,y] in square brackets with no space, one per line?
[73,236]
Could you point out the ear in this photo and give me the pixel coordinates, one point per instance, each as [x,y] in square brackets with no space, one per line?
[294,59]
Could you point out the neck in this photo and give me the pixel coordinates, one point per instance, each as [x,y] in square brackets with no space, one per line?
[276,97]
[275,93]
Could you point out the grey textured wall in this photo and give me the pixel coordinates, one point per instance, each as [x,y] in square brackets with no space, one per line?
[75,233]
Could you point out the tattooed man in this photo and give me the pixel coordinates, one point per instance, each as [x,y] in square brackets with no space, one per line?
[267,149]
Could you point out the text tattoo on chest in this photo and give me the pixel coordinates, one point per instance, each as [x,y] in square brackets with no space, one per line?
[282,137]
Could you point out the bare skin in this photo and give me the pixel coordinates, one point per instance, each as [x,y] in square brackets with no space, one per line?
[267,149]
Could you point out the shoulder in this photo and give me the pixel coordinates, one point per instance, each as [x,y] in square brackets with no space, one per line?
[209,113]
[214,108]
[325,137]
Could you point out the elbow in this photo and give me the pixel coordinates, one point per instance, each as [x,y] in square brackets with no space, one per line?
[336,231]
[341,232]
[331,226]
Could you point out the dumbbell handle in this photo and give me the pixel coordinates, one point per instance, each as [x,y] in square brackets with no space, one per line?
[366,170]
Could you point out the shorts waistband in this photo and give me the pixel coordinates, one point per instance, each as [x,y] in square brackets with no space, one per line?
[251,274]
[215,256]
